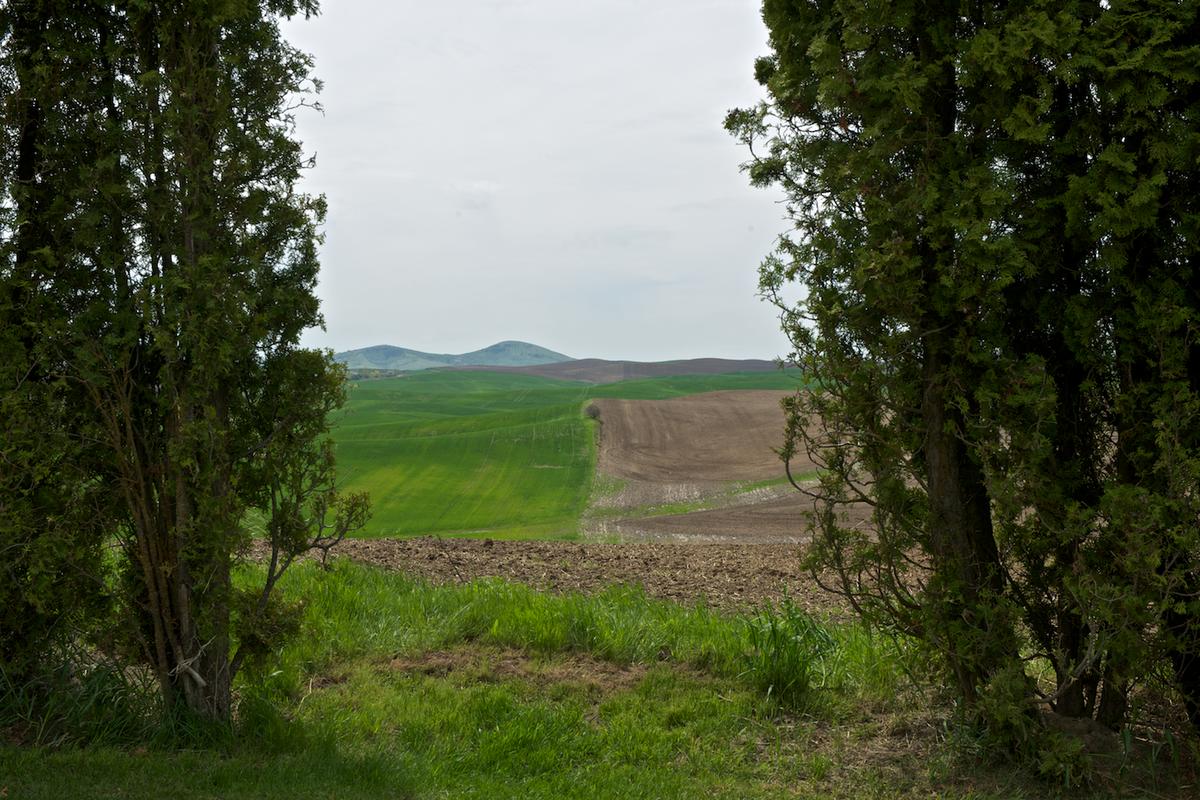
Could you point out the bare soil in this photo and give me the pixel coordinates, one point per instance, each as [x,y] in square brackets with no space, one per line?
[710,437]
[777,520]
[474,663]
[703,450]
[724,576]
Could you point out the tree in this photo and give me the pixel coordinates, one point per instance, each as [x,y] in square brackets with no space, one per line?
[53,515]
[995,229]
[180,262]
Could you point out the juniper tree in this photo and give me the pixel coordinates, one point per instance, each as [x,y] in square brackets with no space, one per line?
[995,229]
[178,262]
[887,157]
[54,515]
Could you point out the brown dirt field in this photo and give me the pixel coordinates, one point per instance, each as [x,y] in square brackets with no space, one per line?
[726,576]
[599,370]
[698,450]
[778,520]
[710,437]
[766,516]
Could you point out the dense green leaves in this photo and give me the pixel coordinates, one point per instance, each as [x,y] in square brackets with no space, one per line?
[995,209]
[156,271]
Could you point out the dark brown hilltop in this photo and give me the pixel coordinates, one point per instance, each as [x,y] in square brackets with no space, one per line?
[599,370]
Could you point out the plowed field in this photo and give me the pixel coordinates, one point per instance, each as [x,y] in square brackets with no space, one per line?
[700,468]
[725,576]
[702,438]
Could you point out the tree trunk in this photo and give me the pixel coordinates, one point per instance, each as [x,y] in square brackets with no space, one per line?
[960,531]
[969,579]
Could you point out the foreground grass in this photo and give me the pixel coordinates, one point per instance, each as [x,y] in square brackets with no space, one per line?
[315,772]
[496,454]
[490,689]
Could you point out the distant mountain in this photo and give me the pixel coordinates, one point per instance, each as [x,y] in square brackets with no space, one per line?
[501,354]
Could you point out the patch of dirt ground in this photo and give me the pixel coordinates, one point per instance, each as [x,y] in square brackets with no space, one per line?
[483,663]
[779,519]
[725,576]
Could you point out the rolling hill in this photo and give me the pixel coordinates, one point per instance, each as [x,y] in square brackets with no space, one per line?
[501,354]
[488,453]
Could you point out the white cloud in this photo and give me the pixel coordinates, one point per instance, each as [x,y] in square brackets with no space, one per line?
[540,169]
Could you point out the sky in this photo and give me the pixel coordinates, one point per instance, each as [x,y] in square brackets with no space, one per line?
[550,171]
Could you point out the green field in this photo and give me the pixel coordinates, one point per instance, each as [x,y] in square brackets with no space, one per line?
[398,689]
[482,453]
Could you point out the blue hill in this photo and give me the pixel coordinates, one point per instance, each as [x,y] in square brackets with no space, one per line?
[501,354]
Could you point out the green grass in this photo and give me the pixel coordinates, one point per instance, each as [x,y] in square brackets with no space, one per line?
[316,770]
[399,689]
[682,385]
[488,454]
[690,704]
[363,612]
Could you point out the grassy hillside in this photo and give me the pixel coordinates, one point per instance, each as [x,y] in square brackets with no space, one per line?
[680,385]
[480,453]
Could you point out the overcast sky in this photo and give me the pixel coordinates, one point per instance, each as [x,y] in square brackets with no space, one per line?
[552,171]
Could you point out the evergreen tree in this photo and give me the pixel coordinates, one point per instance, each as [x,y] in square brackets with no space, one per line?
[996,233]
[161,228]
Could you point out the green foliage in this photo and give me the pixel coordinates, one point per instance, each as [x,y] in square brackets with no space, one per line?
[996,230]
[263,628]
[53,515]
[157,268]
[785,649]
